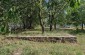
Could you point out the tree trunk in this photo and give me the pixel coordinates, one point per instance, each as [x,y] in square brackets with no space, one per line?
[42,29]
[41,23]
[30,23]
[82,26]
[50,18]
[24,25]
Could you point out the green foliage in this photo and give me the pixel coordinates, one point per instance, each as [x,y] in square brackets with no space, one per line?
[27,13]
[75,18]
[82,12]
[74,3]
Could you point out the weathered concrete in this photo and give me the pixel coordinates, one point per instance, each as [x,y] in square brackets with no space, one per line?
[62,39]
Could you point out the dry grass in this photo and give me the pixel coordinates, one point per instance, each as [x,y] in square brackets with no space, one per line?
[8,47]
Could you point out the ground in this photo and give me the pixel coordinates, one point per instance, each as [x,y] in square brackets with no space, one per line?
[25,47]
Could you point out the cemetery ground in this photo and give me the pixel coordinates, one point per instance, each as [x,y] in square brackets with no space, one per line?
[25,47]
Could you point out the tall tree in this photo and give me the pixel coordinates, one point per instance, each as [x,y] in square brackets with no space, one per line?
[75,4]
[40,7]
[82,15]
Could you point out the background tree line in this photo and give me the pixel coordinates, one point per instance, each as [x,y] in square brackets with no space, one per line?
[27,14]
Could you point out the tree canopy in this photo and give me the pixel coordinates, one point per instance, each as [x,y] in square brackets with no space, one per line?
[28,14]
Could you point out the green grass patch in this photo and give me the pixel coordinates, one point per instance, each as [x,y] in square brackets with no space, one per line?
[7,50]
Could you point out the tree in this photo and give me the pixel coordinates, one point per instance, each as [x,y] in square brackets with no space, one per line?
[82,15]
[75,4]
[40,9]
[54,9]
[31,13]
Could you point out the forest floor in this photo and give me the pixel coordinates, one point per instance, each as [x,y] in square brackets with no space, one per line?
[25,47]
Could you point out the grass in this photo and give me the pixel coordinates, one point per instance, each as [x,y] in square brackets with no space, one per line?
[37,32]
[7,47]
[53,49]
